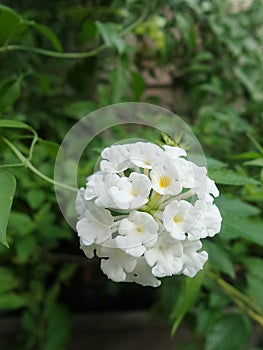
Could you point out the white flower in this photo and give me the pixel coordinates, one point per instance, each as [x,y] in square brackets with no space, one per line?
[131,193]
[142,274]
[98,186]
[165,205]
[165,179]
[95,226]
[145,154]
[89,250]
[116,263]
[174,152]
[208,220]
[178,218]
[191,259]
[137,232]
[203,185]
[165,256]
[115,159]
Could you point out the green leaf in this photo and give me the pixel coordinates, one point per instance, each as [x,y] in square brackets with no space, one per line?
[236,207]
[191,289]
[236,227]
[25,247]
[58,328]
[49,34]
[50,147]
[8,186]
[11,25]
[11,301]
[138,85]
[215,163]
[246,155]
[88,31]
[220,258]
[67,271]
[255,289]
[255,162]
[9,92]
[7,280]
[5,123]
[254,266]
[35,198]
[110,36]
[186,27]
[79,109]
[119,83]
[20,223]
[230,177]
[231,332]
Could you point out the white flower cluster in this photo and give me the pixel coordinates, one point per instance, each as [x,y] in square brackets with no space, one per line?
[145,211]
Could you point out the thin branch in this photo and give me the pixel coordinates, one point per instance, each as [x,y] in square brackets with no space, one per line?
[26,162]
[76,55]
[241,300]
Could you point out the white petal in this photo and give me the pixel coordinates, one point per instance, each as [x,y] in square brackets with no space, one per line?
[193,261]
[88,250]
[165,256]
[117,263]
[142,274]
[174,152]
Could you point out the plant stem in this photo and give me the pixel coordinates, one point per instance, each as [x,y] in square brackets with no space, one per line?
[26,162]
[241,300]
[75,55]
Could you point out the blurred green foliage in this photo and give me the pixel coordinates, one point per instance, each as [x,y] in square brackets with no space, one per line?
[58,62]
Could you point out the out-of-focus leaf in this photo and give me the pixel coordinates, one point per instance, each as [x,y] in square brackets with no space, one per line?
[35,198]
[119,83]
[138,85]
[58,328]
[186,27]
[220,258]
[11,301]
[25,247]
[5,123]
[231,332]
[236,227]
[49,34]
[255,289]
[9,92]
[87,32]
[50,147]
[11,25]
[110,36]
[255,162]
[236,207]
[8,186]
[189,295]
[7,280]
[79,109]
[20,223]
[230,177]
[254,277]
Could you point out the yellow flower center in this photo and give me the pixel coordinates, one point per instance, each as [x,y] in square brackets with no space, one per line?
[177,219]
[139,229]
[164,181]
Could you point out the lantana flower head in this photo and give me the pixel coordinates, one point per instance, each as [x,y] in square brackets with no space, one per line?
[145,212]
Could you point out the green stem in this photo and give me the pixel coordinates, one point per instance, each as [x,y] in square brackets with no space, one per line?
[26,162]
[255,143]
[75,55]
[241,300]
